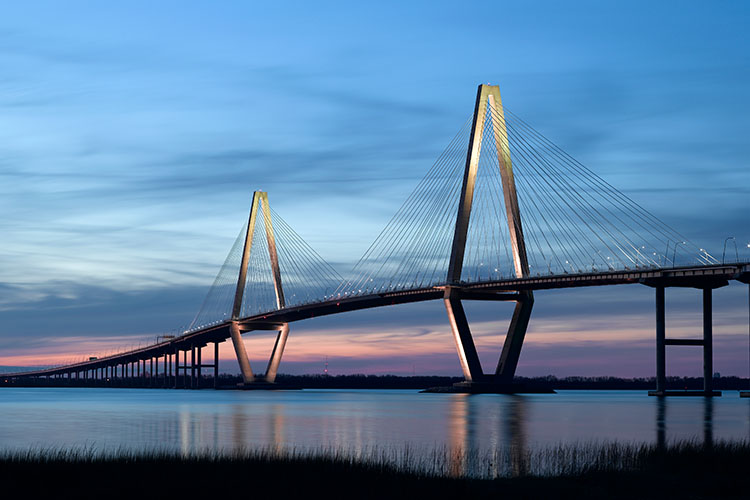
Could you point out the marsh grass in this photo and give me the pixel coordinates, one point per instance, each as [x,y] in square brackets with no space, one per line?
[577,470]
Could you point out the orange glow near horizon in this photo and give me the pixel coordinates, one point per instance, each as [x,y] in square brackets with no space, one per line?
[307,345]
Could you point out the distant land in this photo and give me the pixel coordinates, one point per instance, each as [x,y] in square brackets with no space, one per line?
[548,382]
[419,382]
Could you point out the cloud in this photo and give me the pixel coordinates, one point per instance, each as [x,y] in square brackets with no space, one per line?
[128,158]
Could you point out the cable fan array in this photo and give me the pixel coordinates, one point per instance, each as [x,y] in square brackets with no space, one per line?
[573,221]
[305,276]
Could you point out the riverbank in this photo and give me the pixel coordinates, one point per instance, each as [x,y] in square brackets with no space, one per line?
[417,382]
[581,471]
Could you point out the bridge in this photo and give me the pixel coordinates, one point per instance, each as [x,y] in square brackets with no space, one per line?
[503,212]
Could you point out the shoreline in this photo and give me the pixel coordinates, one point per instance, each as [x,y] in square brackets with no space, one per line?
[296,382]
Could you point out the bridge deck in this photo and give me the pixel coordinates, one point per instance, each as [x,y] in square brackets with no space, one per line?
[697,277]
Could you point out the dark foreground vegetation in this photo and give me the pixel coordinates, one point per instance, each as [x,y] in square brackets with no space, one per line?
[683,470]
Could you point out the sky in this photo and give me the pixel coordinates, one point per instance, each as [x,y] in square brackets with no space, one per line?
[133,134]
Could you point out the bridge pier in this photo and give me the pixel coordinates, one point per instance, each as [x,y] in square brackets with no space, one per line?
[506,367]
[239,349]
[216,365]
[746,394]
[249,379]
[192,367]
[467,352]
[176,366]
[661,348]
[706,342]
[476,381]
[708,347]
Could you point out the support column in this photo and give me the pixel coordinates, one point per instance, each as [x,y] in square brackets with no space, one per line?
[199,367]
[278,351]
[708,350]
[192,367]
[661,333]
[176,367]
[239,350]
[216,365]
[506,366]
[467,352]
[184,370]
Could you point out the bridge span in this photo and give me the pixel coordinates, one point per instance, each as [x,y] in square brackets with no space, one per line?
[459,236]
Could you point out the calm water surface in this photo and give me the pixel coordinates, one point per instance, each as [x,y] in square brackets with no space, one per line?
[353,419]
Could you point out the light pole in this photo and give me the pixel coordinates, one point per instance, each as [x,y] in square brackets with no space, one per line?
[674,253]
[723,254]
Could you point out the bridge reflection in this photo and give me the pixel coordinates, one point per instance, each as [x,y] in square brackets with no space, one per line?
[471,429]
[662,436]
[507,439]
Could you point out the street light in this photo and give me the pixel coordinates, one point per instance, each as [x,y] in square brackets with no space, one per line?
[674,253]
[735,249]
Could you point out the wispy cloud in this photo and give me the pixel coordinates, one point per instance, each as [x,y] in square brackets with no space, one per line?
[128,157]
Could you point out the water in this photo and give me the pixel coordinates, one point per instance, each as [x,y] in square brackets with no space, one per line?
[355,420]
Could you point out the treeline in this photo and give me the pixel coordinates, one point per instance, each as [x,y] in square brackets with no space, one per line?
[547,382]
[417,382]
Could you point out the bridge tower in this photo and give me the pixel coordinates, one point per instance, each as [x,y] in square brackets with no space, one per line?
[488,101]
[260,202]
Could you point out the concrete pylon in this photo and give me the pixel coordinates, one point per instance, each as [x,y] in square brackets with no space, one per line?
[488,101]
[260,202]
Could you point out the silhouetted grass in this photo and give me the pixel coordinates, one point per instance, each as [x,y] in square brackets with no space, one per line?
[584,470]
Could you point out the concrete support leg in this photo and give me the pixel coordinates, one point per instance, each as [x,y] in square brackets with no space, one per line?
[708,351]
[661,333]
[199,369]
[467,352]
[184,370]
[192,367]
[216,365]
[278,351]
[506,366]
[239,350]
[176,367]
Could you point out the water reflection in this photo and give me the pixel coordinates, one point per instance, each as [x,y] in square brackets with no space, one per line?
[467,427]
[516,435]
[661,420]
[708,422]
[276,431]
[504,422]
[460,432]
[661,423]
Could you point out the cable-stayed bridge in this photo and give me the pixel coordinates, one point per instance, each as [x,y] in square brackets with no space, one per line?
[501,213]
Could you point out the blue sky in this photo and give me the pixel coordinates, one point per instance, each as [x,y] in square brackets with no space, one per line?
[132,136]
